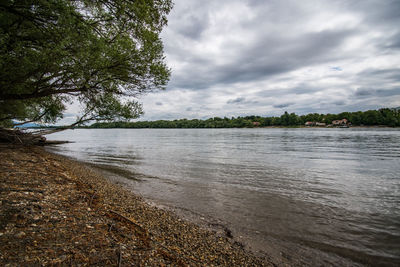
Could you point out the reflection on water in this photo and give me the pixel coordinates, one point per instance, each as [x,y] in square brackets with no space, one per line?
[330,195]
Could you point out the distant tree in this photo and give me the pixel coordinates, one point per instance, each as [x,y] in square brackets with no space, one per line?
[285,118]
[276,121]
[370,117]
[390,117]
[266,121]
[102,54]
[356,118]
[293,119]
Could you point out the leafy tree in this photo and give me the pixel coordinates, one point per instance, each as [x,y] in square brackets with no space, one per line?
[389,117]
[276,121]
[293,119]
[370,117]
[285,119]
[100,53]
[356,118]
[266,121]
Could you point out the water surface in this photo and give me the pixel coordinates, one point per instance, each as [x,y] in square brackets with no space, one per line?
[307,196]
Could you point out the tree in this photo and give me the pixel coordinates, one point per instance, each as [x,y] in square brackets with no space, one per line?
[370,117]
[102,53]
[293,119]
[285,119]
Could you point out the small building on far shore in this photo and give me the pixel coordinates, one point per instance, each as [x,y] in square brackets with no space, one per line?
[309,123]
[340,122]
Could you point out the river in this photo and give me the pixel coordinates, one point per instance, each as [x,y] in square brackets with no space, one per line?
[303,196]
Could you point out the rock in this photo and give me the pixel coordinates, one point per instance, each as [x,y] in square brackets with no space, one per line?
[20,235]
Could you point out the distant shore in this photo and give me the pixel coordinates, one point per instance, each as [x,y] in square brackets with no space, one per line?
[261,127]
[59,212]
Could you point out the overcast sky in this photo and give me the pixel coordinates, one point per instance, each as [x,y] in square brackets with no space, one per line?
[231,58]
[264,57]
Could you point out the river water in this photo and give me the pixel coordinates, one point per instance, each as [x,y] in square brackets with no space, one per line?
[304,196]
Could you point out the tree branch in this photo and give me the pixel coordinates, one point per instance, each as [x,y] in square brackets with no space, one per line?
[37,95]
[35,119]
[81,120]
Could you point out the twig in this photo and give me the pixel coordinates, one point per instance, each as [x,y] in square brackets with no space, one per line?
[91,199]
[20,141]
[120,256]
[129,220]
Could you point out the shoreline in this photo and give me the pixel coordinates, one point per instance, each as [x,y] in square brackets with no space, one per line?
[258,127]
[259,247]
[57,210]
[269,252]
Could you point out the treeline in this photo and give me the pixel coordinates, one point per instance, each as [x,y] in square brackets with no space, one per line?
[385,116]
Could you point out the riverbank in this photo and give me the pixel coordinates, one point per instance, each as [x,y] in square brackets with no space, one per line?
[58,211]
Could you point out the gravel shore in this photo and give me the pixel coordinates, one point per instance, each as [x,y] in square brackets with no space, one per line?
[55,211]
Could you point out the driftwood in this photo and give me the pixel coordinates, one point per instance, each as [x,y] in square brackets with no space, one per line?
[16,136]
[120,256]
[54,142]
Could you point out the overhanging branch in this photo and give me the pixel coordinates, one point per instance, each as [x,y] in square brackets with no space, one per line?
[81,120]
[38,94]
[34,119]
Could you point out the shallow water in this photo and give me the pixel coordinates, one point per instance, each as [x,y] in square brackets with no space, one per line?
[308,196]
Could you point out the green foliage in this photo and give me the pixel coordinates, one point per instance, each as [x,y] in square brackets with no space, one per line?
[100,53]
[387,117]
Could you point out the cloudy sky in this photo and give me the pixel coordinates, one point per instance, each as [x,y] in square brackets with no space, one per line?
[259,57]
[264,57]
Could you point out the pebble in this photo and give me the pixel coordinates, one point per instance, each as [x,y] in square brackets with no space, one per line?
[20,234]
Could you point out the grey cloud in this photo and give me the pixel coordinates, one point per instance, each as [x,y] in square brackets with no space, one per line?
[377,83]
[192,27]
[300,89]
[159,103]
[381,15]
[271,53]
[390,43]
[283,105]
[285,56]
[241,101]
[365,92]
[266,57]
[263,55]
[236,100]
[379,12]
[205,108]
[395,43]
[388,92]
[382,74]
[339,102]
